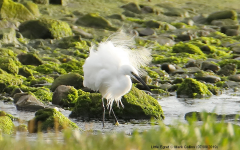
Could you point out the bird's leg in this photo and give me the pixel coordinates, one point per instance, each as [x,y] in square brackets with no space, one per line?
[115,118]
[103,111]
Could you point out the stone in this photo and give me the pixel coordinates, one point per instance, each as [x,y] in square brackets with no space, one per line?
[45,29]
[8,35]
[96,21]
[228,69]
[145,32]
[27,102]
[232,32]
[59,2]
[137,105]
[209,66]
[235,77]
[71,79]
[173,11]
[169,68]
[12,10]
[191,88]
[29,59]
[208,78]
[65,96]
[227,14]
[224,29]
[133,7]
[50,118]
[45,2]
[32,7]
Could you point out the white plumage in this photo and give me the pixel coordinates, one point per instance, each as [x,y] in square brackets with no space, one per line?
[110,65]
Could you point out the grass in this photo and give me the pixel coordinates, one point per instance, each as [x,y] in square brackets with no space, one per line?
[208,134]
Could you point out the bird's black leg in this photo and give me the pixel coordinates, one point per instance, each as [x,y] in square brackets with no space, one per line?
[103,111]
[115,118]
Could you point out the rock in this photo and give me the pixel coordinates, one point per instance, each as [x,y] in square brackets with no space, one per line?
[193,63]
[45,29]
[235,77]
[27,102]
[146,9]
[232,32]
[133,7]
[228,14]
[162,40]
[12,10]
[24,71]
[22,128]
[214,89]
[29,59]
[160,25]
[6,125]
[169,68]
[187,48]
[137,105]
[228,69]
[9,65]
[59,2]
[145,32]
[72,79]
[232,84]
[78,31]
[193,70]
[224,22]
[49,118]
[95,21]
[9,24]
[117,16]
[65,96]
[192,88]
[32,7]
[184,37]
[8,35]
[46,2]
[224,29]
[8,80]
[208,78]
[209,66]
[172,11]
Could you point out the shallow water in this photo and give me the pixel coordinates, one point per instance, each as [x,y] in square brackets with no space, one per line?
[174,109]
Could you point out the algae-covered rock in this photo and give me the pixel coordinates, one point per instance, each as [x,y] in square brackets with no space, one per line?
[49,118]
[192,88]
[72,79]
[228,69]
[8,80]
[187,48]
[59,2]
[46,2]
[9,65]
[228,14]
[133,7]
[94,20]
[45,29]
[50,67]
[32,7]
[65,96]
[6,125]
[29,59]
[137,105]
[3,113]
[8,35]
[43,94]
[26,72]
[12,10]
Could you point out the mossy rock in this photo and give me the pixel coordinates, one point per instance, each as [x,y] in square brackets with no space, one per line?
[29,59]
[96,21]
[43,94]
[8,35]
[8,80]
[228,69]
[133,7]
[3,113]
[72,65]
[228,14]
[32,7]
[45,29]
[46,2]
[12,10]
[192,88]
[187,48]
[137,105]
[49,68]
[49,118]
[9,65]
[72,79]
[26,72]
[7,52]
[6,125]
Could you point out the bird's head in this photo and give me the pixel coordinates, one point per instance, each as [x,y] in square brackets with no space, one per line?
[132,72]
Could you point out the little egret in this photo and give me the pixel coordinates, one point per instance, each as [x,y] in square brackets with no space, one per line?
[110,65]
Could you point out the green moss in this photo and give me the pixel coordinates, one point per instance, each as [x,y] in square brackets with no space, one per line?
[12,10]
[137,105]
[71,98]
[214,89]
[72,65]
[9,65]
[180,25]
[193,89]
[50,119]
[49,68]
[160,92]
[7,52]
[151,73]
[229,61]
[43,94]
[22,128]
[40,80]
[231,14]
[95,20]
[3,113]
[32,7]
[8,79]
[187,48]
[136,20]
[6,125]
[73,41]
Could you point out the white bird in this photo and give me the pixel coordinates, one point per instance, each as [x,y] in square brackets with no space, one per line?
[110,65]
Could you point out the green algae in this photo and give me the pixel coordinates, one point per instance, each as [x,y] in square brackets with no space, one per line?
[43,94]
[73,65]
[9,65]
[6,125]
[137,105]
[49,118]
[187,48]
[71,98]
[9,80]
[193,89]
[49,68]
